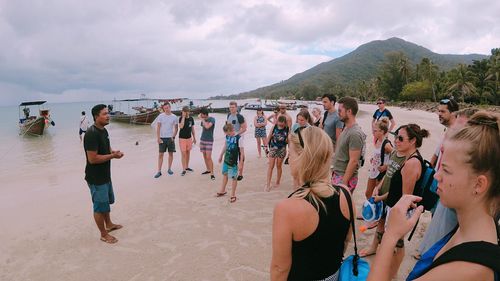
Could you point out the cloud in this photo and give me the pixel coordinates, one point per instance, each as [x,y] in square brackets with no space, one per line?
[74,50]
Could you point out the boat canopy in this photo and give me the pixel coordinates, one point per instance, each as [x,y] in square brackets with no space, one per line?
[133,100]
[28,103]
[170,100]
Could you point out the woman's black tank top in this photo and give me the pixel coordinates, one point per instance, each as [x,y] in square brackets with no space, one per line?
[396,187]
[320,254]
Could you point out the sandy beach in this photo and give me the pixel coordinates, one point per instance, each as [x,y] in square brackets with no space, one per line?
[174,227]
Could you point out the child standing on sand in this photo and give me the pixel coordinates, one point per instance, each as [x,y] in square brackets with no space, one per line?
[277,141]
[231,153]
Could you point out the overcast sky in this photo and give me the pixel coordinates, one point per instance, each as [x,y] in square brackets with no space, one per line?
[72,50]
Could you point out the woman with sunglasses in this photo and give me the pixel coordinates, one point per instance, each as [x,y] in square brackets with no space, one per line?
[311,227]
[404,170]
[469,182]
[260,123]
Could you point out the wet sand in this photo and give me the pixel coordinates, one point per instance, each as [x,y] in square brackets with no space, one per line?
[174,227]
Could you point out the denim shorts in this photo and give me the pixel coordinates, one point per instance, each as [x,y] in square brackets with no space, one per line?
[102,197]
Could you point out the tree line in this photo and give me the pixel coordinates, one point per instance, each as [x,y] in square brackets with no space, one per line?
[400,80]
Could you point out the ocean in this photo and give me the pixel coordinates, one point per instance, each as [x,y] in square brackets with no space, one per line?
[60,146]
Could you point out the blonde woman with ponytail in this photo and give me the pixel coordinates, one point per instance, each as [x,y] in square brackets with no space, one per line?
[311,227]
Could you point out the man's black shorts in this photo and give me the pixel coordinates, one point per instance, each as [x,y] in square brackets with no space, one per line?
[167,144]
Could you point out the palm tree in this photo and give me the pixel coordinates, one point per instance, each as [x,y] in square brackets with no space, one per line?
[460,82]
[404,67]
[493,74]
[429,72]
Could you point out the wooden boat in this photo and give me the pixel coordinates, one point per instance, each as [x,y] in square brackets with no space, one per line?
[119,116]
[144,116]
[34,125]
[266,107]
[290,105]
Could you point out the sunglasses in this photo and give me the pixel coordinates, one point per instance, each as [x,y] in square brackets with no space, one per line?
[380,102]
[400,138]
[444,101]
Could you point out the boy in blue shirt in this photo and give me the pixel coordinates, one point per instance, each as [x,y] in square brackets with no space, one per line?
[231,152]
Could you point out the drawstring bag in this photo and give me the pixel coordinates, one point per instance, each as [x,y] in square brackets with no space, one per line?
[353,268]
[372,211]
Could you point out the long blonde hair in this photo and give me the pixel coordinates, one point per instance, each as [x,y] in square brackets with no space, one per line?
[313,164]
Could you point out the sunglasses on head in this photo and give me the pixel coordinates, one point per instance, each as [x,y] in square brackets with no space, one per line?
[444,101]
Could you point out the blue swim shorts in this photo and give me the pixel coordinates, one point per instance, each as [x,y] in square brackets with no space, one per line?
[102,197]
[230,171]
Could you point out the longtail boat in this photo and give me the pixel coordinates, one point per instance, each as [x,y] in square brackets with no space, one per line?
[34,125]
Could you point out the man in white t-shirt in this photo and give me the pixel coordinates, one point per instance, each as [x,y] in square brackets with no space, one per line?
[84,124]
[167,125]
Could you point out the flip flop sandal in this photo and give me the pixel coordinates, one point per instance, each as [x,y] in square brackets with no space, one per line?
[232,199]
[220,194]
[116,227]
[109,241]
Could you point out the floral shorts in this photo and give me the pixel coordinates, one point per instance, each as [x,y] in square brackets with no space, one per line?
[353,182]
[275,152]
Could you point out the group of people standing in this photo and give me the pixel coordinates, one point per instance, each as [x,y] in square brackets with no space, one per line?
[312,226]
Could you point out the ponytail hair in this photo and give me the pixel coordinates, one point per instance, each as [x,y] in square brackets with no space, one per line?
[415,132]
[313,163]
[383,124]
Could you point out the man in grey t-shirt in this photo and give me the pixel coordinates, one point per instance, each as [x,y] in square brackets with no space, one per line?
[350,146]
[331,121]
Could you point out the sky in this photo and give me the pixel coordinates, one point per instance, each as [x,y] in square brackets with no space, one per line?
[69,50]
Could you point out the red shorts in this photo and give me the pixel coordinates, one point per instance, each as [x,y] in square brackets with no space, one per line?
[186,144]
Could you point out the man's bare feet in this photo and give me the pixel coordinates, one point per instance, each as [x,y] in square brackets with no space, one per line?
[276,185]
[109,239]
[113,227]
[267,188]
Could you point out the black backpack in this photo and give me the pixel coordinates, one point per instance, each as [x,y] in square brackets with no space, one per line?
[426,185]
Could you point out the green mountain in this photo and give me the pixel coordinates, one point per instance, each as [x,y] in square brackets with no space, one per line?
[360,65]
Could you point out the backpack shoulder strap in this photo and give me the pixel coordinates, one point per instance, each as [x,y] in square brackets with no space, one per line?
[347,195]
[324,117]
[382,151]
[241,118]
[381,114]
[469,252]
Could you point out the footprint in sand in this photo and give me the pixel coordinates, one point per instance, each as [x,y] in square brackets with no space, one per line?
[245,273]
